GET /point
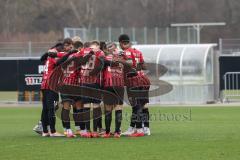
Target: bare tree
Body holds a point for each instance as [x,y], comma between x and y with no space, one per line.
[43,16]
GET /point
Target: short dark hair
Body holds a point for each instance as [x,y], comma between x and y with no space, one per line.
[95,42]
[59,47]
[77,44]
[103,45]
[111,44]
[67,41]
[123,38]
[86,44]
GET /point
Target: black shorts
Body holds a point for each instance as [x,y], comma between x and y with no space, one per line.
[47,93]
[115,97]
[138,96]
[91,93]
[70,98]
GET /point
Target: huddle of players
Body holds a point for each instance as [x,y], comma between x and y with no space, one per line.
[93,67]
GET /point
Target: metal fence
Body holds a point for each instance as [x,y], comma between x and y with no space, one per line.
[178,35]
[24,49]
[145,35]
[229,46]
[231,86]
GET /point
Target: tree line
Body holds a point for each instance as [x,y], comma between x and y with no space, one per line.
[24,19]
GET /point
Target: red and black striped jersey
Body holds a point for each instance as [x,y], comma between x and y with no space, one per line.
[113,76]
[48,69]
[140,79]
[93,62]
[72,71]
[134,55]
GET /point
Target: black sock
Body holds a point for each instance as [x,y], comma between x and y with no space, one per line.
[44,115]
[66,118]
[146,117]
[133,123]
[81,119]
[63,124]
[118,121]
[138,116]
[87,116]
[52,119]
[51,98]
[100,118]
[108,121]
[75,116]
[134,117]
[96,117]
[44,118]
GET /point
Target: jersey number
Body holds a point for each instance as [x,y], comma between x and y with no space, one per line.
[70,68]
[90,64]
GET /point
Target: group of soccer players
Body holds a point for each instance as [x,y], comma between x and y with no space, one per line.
[88,75]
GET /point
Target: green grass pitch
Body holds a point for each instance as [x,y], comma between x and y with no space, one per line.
[181,133]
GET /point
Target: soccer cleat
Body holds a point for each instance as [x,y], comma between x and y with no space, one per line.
[45,134]
[70,134]
[111,133]
[101,131]
[147,131]
[106,135]
[77,128]
[129,132]
[95,135]
[38,128]
[138,133]
[82,132]
[86,134]
[117,135]
[56,134]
